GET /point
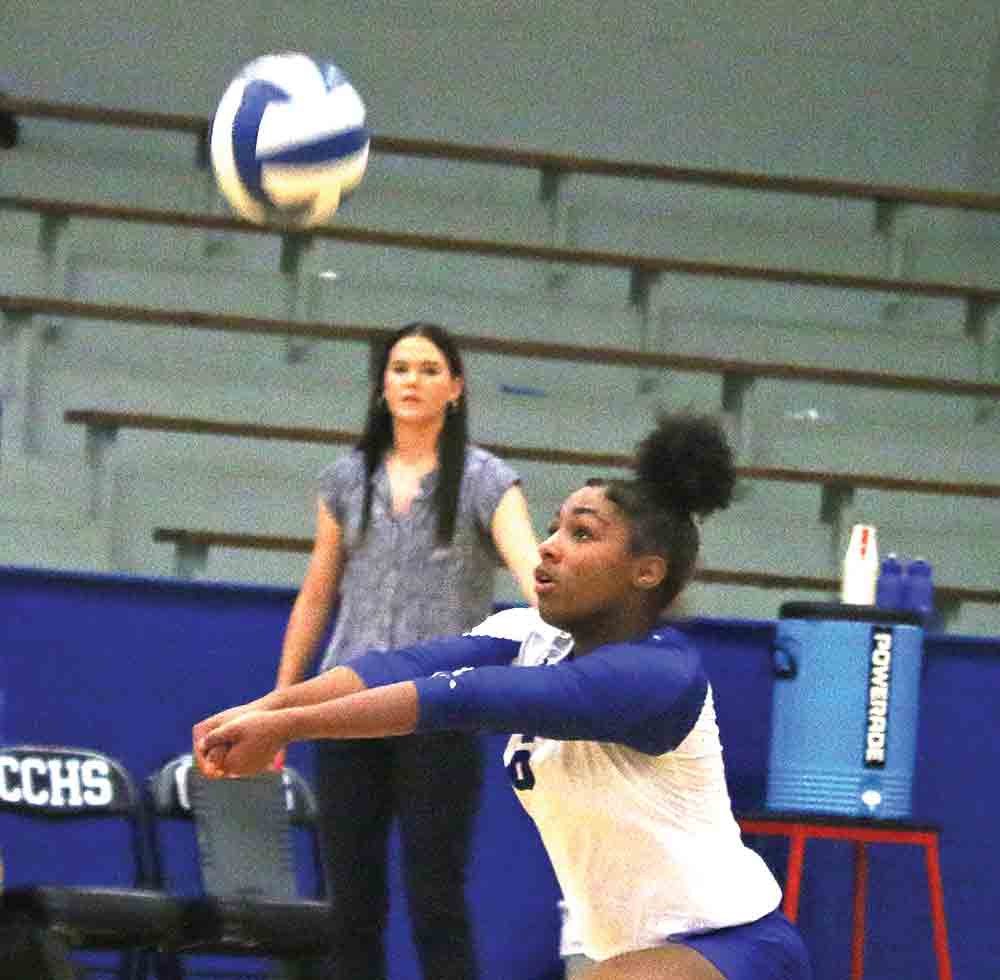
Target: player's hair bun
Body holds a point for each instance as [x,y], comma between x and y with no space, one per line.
[687,463]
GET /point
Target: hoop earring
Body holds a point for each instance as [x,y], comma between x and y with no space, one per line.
[452,407]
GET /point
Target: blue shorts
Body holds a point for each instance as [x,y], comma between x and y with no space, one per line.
[768,949]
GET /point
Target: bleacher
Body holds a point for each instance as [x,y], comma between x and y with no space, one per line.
[845,329]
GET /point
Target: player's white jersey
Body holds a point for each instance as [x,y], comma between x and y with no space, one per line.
[618,763]
[644,846]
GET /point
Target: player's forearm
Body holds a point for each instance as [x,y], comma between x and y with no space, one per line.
[376,713]
[328,686]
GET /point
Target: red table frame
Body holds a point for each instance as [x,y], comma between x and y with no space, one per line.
[799,828]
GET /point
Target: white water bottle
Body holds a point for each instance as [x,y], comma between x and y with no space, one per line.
[861,567]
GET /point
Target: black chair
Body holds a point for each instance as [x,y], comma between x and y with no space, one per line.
[246,898]
[58,799]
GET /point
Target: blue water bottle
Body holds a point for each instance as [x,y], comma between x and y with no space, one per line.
[889,589]
[918,589]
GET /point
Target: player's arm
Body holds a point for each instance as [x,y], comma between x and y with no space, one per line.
[246,744]
[643,696]
[376,669]
[305,710]
[375,697]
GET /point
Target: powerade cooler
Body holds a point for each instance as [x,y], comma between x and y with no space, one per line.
[845,710]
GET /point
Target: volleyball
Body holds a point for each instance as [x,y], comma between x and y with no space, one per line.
[288,140]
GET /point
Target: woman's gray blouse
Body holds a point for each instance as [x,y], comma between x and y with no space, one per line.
[398,586]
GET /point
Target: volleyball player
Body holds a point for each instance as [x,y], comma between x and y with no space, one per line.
[617,757]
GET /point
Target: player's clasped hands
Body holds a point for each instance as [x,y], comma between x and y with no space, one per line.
[242,741]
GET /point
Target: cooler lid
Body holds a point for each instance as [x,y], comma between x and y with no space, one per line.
[848,611]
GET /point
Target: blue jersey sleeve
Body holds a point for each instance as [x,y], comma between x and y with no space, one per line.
[378,668]
[645,695]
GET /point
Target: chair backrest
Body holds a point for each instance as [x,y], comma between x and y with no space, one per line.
[244,826]
[171,796]
[69,816]
[57,784]
[244,836]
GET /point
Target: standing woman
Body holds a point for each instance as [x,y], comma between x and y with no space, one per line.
[410,527]
[616,755]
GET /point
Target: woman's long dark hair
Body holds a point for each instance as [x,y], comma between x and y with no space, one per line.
[376,438]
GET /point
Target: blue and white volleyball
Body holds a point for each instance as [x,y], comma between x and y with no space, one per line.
[288,140]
